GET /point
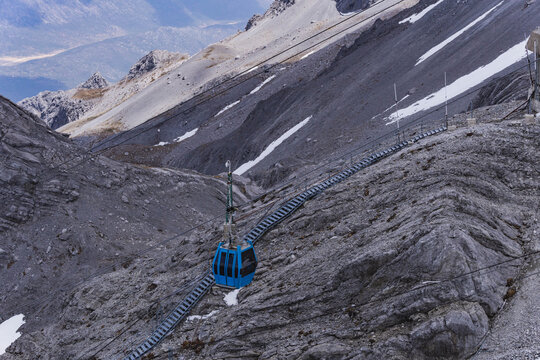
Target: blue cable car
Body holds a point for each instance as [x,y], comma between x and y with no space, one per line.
[234,268]
[235,261]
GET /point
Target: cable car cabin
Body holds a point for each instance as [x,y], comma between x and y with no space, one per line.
[234,265]
[235,260]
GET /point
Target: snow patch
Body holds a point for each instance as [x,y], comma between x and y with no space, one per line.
[456,35]
[186,135]
[202,317]
[231,298]
[248,165]
[349,13]
[414,18]
[308,54]
[227,108]
[391,107]
[464,83]
[252,69]
[262,84]
[8,331]
[180,138]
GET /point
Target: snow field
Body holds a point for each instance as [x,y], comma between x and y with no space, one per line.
[273,145]
[227,108]
[231,298]
[262,84]
[180,138]
[8,331]
[513,55]
[414,18]
[437,48]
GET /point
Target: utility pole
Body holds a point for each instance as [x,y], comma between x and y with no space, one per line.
[445,101]
[229,226]
[397,110]
[533,46]
[537,78]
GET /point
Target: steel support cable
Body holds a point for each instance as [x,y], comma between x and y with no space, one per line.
[167,240]
[175,317]
[362,147]
[174,116]
[271,67]
[128,326]
[104,271]
[189,230]
[388,135]
[432,283]
[417,288]
[365,146]
[306,199]
[480,345]
[91,155]
[276,221]
[484,270]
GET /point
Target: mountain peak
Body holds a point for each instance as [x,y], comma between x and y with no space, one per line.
[96,81]
[151,61]
[275,9]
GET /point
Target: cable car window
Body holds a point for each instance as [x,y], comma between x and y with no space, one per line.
[215,265]
[248,262]
[222,263]
[230,265]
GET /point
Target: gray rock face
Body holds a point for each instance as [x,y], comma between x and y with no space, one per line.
[346,6]
[56,108]
[96,81]
[275,9]
[62,223]
[253,21]
[371,269]
[508,88]
[151,61]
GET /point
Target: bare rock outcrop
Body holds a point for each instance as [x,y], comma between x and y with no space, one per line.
[346,6]
[277,7]
[56,108]
[96,81]
[508,88]
[153,60]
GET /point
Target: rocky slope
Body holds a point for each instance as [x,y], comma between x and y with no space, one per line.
[96,95]
[60,224]
[373,268]
[58,108]
[346,87]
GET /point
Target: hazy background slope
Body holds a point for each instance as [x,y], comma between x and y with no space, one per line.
[57,44]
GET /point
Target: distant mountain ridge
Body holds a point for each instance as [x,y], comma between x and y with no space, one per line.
[99,35]
[58,108]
